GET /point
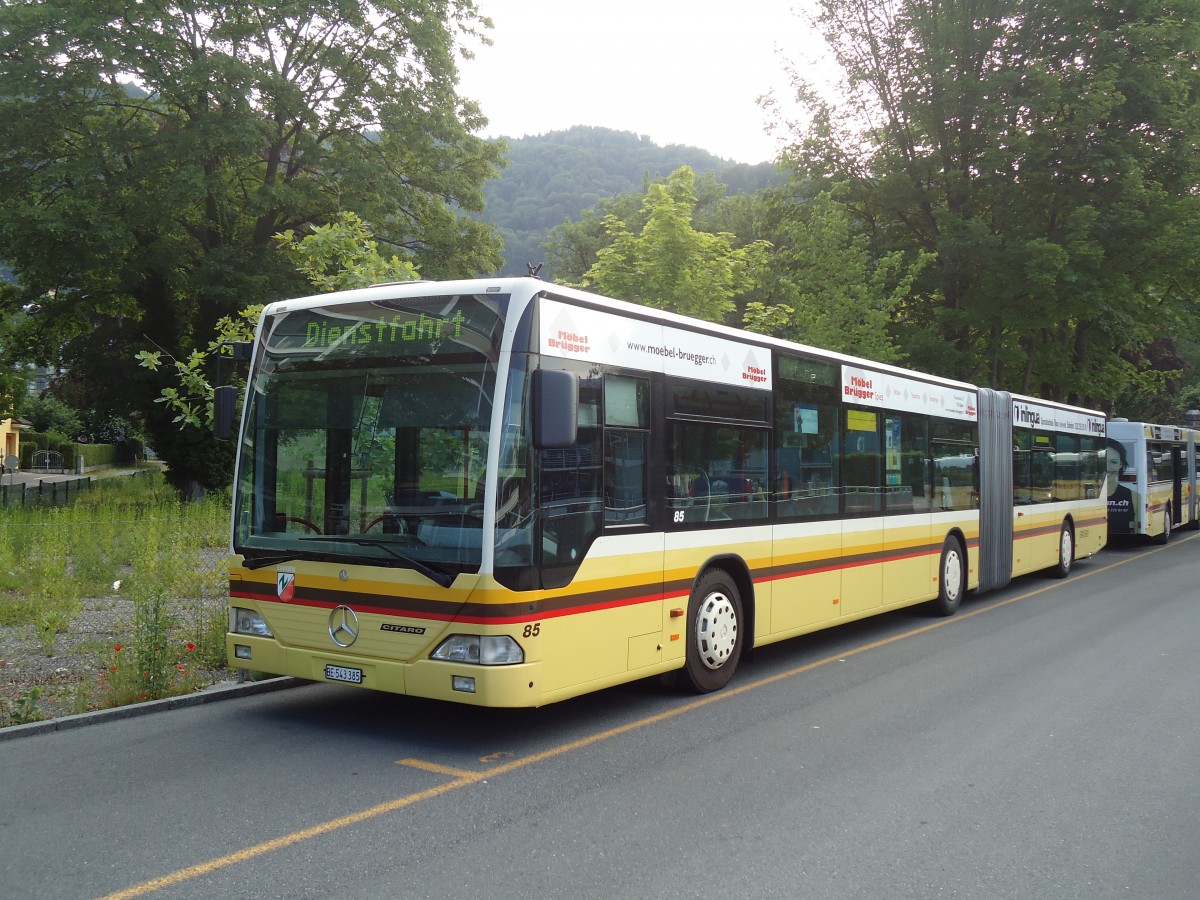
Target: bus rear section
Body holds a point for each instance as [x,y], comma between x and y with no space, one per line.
[1059,462]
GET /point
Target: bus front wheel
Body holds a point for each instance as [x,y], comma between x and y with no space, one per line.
[1066,552]
[952,579]
[714,637]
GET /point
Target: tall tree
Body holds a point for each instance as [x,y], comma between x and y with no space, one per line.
[826,286]
[1046,154]
[341,256]
[150,152]
[572,246]
[667,263]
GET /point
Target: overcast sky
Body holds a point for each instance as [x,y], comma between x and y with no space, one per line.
[677,71]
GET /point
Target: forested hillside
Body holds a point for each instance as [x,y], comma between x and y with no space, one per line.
[552,178]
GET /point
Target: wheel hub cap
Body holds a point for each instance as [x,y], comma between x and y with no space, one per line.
[716,630]
[952,576]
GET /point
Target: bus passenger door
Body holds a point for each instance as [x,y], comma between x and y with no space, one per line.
[908,522]
[811,591]
[862,527]
[862,568]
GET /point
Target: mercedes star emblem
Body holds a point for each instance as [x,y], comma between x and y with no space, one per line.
[343,626]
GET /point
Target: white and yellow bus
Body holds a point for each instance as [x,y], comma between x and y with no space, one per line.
[508,493]
[1151,479]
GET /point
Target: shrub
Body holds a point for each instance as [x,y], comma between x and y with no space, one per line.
[51,414]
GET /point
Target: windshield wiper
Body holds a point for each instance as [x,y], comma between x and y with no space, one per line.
[271,559]
[438,576]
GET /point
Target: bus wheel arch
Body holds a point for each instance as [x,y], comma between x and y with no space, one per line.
[1066,549]
[737,569]
[952,576]
[718,621]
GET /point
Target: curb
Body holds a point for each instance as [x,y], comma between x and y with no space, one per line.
[227,690]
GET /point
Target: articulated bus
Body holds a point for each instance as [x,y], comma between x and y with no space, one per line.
[508,493]
[1151,479]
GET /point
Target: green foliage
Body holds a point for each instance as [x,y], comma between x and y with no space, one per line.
[51,414]
[572,248]
[343,255]
[828,288]
[13,380]
[147,671]
[23,709]
[192,399]
[668,264]
[1043,157]
[15,609]
[50,624]
[199,463]
[111,429]
[142,182]
[561,176]
[50,581]
[339,256]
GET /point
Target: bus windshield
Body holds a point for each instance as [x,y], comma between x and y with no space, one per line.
[367,434]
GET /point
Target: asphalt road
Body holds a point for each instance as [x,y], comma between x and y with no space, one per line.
[1044,743]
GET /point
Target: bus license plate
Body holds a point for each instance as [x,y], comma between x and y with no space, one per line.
[341,673]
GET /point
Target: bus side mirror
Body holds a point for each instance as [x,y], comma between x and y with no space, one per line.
[224,402]
[555,409]
[225,396]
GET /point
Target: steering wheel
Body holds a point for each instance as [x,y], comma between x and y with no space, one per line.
[384,518]
[307,524]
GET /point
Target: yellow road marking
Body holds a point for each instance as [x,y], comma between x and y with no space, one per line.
[436,768]
[287,840]
[462,778]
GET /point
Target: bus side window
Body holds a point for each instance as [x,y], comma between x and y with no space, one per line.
[906,448]
[953,448]
[1022,468]
[626,449]
[1068,468]
[722,470]
[807,429]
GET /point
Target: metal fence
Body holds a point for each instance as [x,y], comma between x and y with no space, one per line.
[103,553]
[51,493]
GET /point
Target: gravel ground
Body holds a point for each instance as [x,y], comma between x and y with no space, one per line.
[68,680]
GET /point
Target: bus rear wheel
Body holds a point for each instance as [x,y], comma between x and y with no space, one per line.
[714,636]
[952,579]
[1066,552]
[1165,537]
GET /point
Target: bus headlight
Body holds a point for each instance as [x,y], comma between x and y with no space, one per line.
[247,621]
[483,650]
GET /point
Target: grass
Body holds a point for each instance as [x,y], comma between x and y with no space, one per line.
[130,555]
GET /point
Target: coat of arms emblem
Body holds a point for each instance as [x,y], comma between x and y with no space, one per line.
[285,585]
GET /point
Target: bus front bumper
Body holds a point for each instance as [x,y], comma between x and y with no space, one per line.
[511,685]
